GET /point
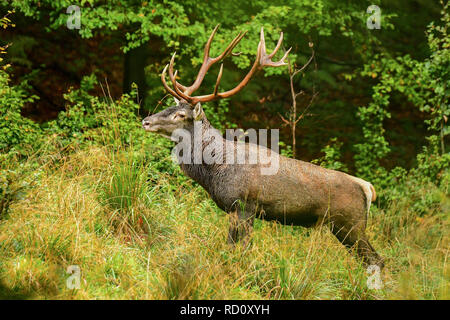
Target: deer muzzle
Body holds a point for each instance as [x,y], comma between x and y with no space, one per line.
[149,124]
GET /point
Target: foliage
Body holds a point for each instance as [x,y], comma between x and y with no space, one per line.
[176,251]
[5,22]
[91,188]
[425,84]
[332,156]
[16,179]
[125,192]
[14,128]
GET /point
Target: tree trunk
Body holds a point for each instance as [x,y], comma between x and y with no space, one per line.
[134,64]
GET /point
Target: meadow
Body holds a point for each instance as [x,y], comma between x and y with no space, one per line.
[84,187]
[139,233]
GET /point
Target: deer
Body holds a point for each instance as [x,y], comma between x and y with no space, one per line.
[299,193]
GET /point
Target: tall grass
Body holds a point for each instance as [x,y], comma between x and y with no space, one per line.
[138,233]
[125,192]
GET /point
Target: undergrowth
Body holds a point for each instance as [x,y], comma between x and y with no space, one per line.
[139,233]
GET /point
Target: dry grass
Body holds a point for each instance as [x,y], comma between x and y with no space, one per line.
[168,242]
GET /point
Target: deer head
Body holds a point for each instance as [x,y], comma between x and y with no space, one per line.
[187,107]
[179,116]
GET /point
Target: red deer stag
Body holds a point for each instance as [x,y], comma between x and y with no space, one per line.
[299,193]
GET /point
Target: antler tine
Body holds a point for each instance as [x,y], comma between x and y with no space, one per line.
[166,86]
[277,47]
[285,56]
[208,43]
[230,47]
[173,77]
[177,85]
[262,59]
[208,61]
[266,58]
[219,77]
[235,90]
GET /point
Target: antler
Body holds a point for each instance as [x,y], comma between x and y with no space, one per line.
[262,59]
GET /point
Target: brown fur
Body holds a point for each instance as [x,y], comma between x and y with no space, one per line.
[298,193]
[374,194]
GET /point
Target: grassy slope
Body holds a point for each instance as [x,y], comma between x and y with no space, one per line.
[166,240]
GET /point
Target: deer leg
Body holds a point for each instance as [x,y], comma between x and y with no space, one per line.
[241,227]
[355,238]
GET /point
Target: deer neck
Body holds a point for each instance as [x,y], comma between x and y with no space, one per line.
[202,172]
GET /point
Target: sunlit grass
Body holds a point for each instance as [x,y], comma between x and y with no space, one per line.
[140,235]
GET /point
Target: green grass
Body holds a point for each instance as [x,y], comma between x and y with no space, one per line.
[137,233]
[125,192]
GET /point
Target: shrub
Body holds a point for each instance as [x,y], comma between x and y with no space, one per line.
[16,132]
[126,187]
[90,119]
[331,159]
[423,83]
[16,178]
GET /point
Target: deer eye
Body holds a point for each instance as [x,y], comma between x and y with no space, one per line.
[180,115]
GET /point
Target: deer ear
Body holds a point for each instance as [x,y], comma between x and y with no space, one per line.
[198,112]
[177,102]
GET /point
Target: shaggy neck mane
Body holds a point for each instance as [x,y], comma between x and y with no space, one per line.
[202,172]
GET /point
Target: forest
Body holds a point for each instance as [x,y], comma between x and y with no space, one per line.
[86,192]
